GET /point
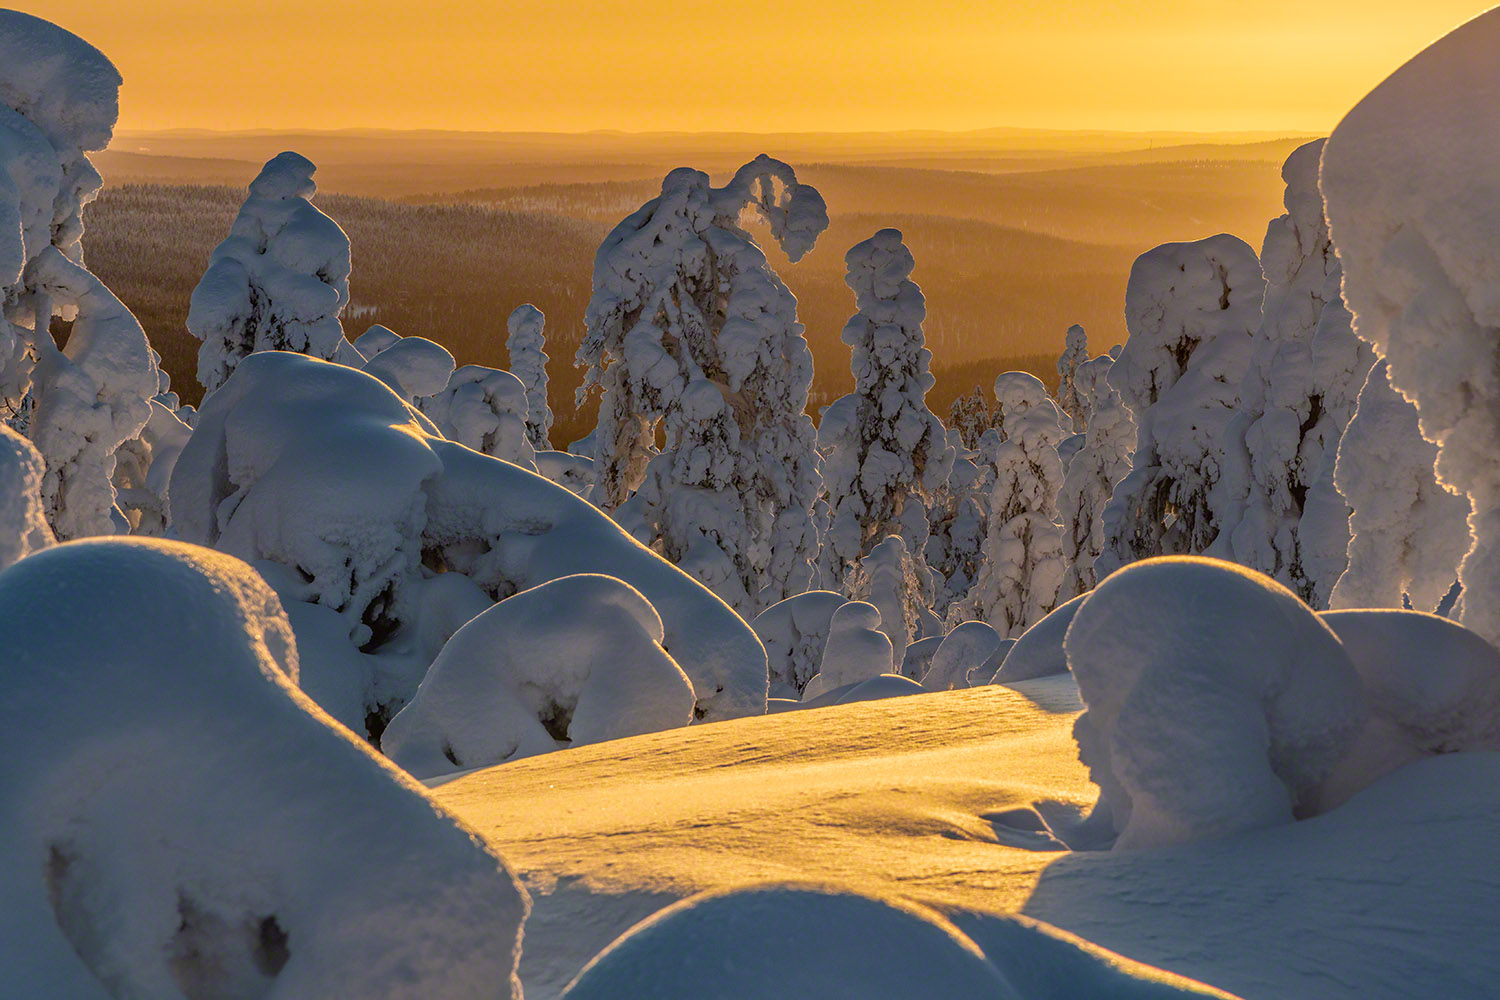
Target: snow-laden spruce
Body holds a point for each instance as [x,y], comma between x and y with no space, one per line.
[971,415]
[795,632]
[1409,533]
[279,280]
[359,511]
[1093,473]
[689,329]
[143,466]
[885,454]
[885,579]
[23,525]
[576,660]
[960,519]
[179,820]
[1283,424]
[1023,566]
[1411,177]
[528,362]
[1069,399]
[1191,309]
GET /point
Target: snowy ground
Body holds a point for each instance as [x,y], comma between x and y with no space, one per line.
[1391,893]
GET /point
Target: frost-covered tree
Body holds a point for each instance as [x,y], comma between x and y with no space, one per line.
[689,331]
[1023,563]
[278,282]
[1092,475]
[1075,353]
[528,362]
[1411,178]
[885,454]
[1409,533]
[1192,309]
[960,518]
[971,415]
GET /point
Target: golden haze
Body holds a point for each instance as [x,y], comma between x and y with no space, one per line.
[644,65]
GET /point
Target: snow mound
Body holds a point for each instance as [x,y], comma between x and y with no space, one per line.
[166,835]
[577,660]
[374,340]
[961,659]
[795,632]
[1436,681]
[24,528]
[856,649]
[574,473]
[784,941]
[324,471]
[1039,650]
[414,367]
[1411,177]
[1217,701]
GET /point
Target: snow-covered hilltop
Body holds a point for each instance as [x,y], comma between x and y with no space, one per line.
[346,683]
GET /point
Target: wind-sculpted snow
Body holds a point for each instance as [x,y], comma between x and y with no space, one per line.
[1409,534]
[795,632]
[322,470]
[691,332]
[576,660]
[528,362]
[1191,309]
[179,820]
[279,280]
[1217,701]
[143,467]
[23,525]
[1411,177]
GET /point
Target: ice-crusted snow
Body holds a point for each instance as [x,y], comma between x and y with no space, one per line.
[1191,309]
[1095,469]
[690,329]
[794,632]
[323,471]
[1217,701]
[485,409]
[1408,532]
[966,658]
[528,362]
[277,282]
[23,524]
[576,660]
[179,820]
[1411,176]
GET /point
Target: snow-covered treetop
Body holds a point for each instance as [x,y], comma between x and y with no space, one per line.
[60,83]
[528,362]
[795,212]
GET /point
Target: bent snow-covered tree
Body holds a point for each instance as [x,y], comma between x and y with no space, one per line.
[690,331]
[278,282]
[1023,552]
[528,362]
[885,454]
[1191,309]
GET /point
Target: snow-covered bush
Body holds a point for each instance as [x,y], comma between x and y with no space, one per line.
[1073,404]
[1413,195]
[528,362]
[885,454]
[1409,533]
[1191,309]
[1023,566]
[690,329]
[794,632]
[1216,700]
[279,280]
[576,660]
[352,495]
[1093,473]
[415,368]
[181,821]
[965,659]
[374,340]
[23,525]
[484,409]
[1039,650]
[856,650]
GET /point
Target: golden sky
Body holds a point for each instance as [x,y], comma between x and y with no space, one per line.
[768,65]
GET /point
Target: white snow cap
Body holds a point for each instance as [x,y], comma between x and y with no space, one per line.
[23,526]
[528,362]
[857,650]
[1411,177]
[279,280]
[1217,701]
[576,660]
[180,820]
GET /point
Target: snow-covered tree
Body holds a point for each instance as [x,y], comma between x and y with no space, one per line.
[960,518]
[484,409]
[1092,475]
[1075,353]
[1023,564]
[278,282]
[1192,309]
[23,526]
[971,415]
[1411,179]
[885,454]
[690,331]
[857,650]
[528,362]
[1409,532]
